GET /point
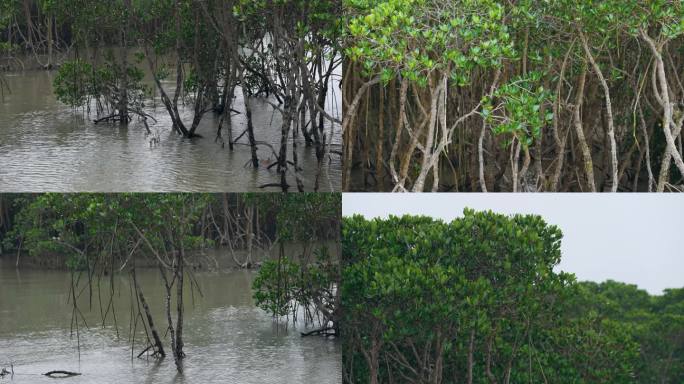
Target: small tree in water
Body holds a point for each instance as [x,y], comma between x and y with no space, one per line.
[284,287]
[310,281]
[79,84]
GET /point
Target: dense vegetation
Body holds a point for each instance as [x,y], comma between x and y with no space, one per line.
[98,236]
[483,95]
[285,52]
[477,300]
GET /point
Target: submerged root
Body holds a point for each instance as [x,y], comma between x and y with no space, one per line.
[326,331]
[61,374]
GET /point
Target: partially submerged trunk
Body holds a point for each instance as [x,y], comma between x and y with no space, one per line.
[178,346]
[156,340]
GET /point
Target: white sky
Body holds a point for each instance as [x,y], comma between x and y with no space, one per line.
[633,238]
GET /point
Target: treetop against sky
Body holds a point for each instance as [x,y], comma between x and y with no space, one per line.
[634,239]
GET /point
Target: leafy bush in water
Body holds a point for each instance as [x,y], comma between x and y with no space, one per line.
[275,286]
[78,81]
[73,83]
[282,286]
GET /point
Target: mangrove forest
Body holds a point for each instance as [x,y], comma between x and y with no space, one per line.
[256,79]
[156,285]
[514,96]
[479,300]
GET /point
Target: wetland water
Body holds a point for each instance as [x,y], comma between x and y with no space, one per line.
[227,339]
[47,146]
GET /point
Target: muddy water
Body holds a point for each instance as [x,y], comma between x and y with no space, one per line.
[227,339]
[48,146]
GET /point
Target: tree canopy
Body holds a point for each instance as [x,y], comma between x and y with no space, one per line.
[478,300]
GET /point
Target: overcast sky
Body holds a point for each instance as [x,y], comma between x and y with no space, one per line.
[634,238]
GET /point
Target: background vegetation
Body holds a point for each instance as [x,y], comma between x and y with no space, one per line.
[477,300]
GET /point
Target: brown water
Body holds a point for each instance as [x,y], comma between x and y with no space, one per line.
[48,146]
[227,339]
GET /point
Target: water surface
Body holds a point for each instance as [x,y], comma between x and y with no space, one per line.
[48,146]
[227,339]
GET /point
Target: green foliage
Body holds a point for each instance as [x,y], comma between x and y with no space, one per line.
[656,323]
[315,18]
[73,83]
[86,226]
[519,112]
[275,286]
[8,9]
[47,225]
[301,216]
[7,48]
[77,82]
[254,82]
[93,20]
[417,37]
[418,287]
[282,286]
[589,349]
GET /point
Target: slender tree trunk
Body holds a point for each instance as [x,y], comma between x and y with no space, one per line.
[123,87]
[398,130]
[250,235]
[671,152]
[50,39]
[471,351]
[29,23]
[158,347]
[167,308]
[379,146]
[180,261]
[609,113]
[425,167]
[480,140]
[579,131]
[647,145]
[560,138]
[250,127]
[284,133]
[348,131]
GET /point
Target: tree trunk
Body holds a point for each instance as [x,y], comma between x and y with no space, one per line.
[609,112]
[671,151]
[471,350]
[379,149]
[123,87]
[158,347]
[29,23]
[250,127]
[250,235]
[284,133]
[50,38]
[178,350]
[579,131]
